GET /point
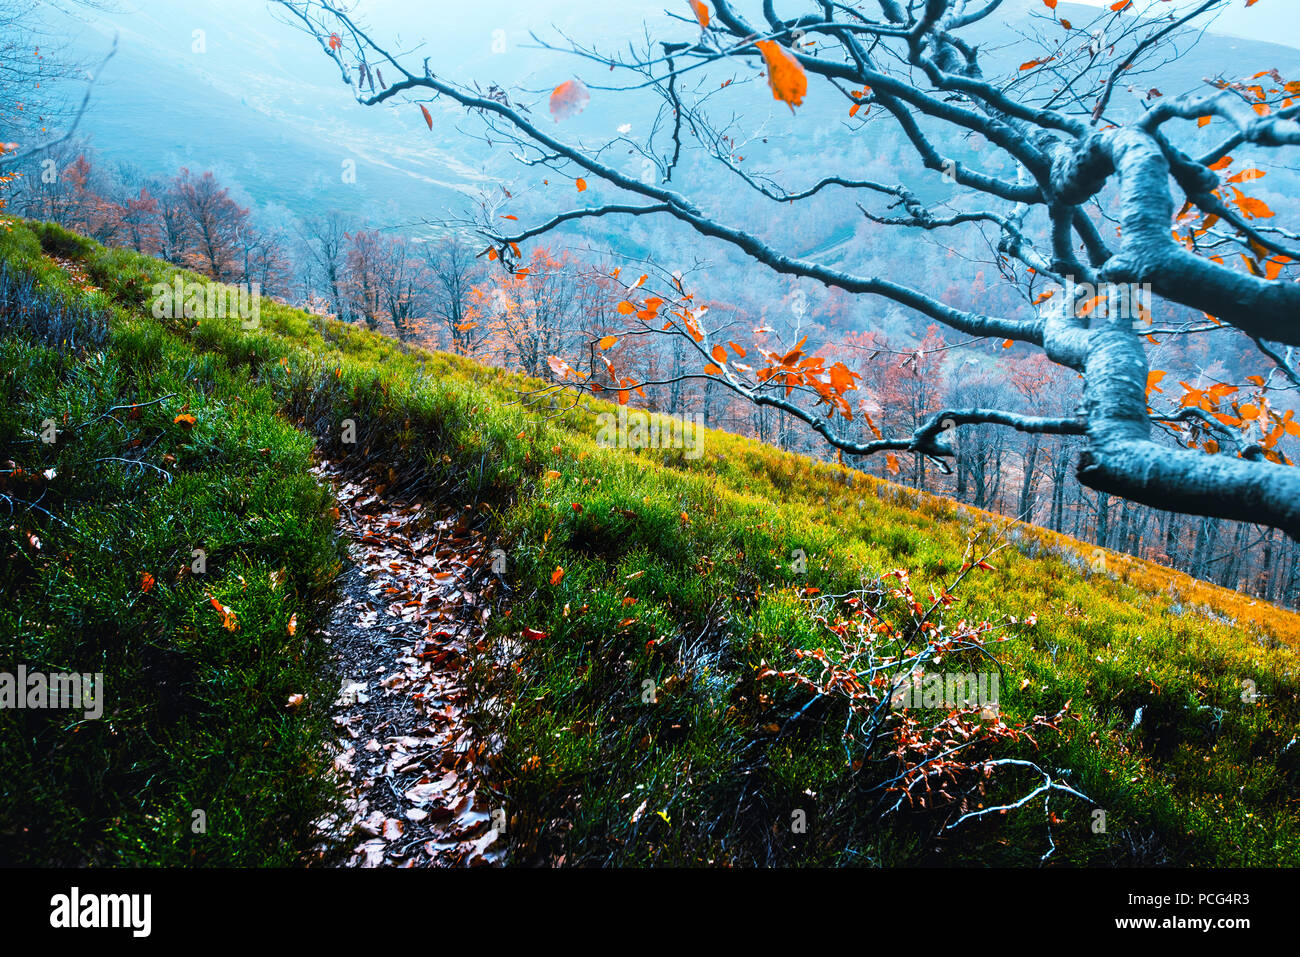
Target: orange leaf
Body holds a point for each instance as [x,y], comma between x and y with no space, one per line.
[581,184]
[701,13]
[785,75]
[428,119]
[1030,64]
[842,380]
[719,354]
[1254,208]
[607,341]
[569,99]
[146,582]
[891,462]
[562,369]
[228,619]
[557,575]
[292,627]
[1247,175]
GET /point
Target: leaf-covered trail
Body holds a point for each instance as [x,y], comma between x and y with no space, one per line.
[406,617]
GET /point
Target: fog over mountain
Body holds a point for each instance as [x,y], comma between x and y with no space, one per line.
[234,88]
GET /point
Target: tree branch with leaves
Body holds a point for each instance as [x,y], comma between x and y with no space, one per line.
[1069,167]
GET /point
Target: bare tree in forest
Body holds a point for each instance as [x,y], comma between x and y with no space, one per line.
[361,277]
[324,240]
[399,279]
[452,273]
[1087,187]
[214,223]
[382,277]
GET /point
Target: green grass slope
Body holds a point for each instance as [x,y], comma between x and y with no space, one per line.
[675,570]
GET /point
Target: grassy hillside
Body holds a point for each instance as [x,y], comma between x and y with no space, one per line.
[632,566]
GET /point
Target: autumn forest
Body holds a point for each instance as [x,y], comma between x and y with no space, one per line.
[712,433]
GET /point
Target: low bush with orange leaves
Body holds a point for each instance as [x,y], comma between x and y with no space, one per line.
[882,641]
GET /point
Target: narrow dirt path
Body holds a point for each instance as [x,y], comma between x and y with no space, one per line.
[401,630]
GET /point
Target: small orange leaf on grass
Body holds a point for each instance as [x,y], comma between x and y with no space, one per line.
[557,576]
[146,582]
[184,419]
[228,619]
[292,627]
